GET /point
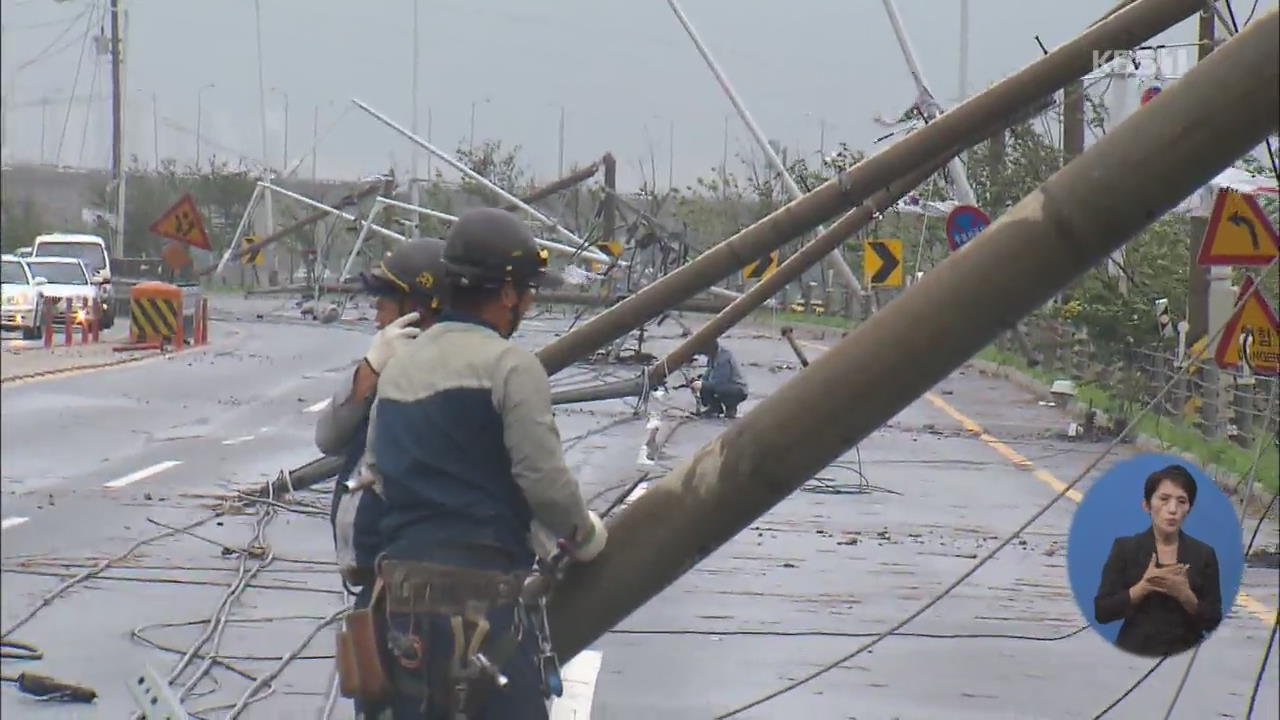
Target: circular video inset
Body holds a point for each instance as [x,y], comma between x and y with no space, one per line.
[1154,555]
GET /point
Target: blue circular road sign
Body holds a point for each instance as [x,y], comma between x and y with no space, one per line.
[963,224]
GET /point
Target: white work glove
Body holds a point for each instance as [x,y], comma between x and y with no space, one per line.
[390,340]
[587,551]
[697,386]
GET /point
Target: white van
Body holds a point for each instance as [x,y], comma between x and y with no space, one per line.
[90,250]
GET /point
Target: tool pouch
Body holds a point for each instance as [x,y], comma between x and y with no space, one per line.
[361,673]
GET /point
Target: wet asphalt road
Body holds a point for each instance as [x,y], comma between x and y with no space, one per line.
[840,558]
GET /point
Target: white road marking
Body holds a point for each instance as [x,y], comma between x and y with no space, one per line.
[143,473]
[238,440]
[319,406]
[579,678]
[12,522]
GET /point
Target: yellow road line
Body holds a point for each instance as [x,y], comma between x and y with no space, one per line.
[1252,605]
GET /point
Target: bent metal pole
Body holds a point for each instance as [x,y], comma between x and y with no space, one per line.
[835,259]
[1174,144]
[794,267]
[965,125]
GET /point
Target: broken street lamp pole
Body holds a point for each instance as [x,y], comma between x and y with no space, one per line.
[822,246]
[1181,139]
[969,123]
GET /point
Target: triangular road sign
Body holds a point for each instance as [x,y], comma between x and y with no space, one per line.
[182,223]
[1239,232]
[1252,335]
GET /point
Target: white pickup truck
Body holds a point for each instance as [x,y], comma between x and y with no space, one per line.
[90,250]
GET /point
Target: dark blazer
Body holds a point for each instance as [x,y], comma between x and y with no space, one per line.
[1158,625]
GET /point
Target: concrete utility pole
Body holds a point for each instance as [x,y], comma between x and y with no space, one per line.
[413,125]
[958,178]
[1197,276]
[963,126]
[117,126]
[792,269]
[1069,224]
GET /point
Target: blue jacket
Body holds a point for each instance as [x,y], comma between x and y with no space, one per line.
[723,374]
[465,445]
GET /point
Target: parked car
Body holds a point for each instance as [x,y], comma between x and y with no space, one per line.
[18,297]
[92,251]
[61,278]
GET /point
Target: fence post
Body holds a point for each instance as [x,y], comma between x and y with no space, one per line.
[1211,413]
[67,321]
[46,320]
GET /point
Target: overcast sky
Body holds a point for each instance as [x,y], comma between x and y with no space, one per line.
[623,70]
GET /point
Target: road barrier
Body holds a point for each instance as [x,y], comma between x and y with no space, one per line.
[89,323]
[155,314]
[200,324]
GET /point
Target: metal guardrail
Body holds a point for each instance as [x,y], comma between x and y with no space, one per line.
[1238,413]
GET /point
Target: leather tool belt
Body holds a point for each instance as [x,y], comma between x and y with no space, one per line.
[418,587]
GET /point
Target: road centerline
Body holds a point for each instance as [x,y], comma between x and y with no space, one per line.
[142,474]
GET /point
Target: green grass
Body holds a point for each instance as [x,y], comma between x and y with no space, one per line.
[795,318]
[1171,432]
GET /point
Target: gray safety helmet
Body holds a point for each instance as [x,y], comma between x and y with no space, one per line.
[487,247]
[415,269]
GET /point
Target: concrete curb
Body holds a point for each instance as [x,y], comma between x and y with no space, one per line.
[141,356]
[1227,481]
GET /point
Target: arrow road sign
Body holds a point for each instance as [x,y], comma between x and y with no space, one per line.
[1238,233]
[1241,221]
[882,263]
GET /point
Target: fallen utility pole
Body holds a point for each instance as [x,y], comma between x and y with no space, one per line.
[552,297]
[789,334]
[299,225]
[301,477]
[970,123]
[793,268]
[1068,225]
[564,183]
[484,182]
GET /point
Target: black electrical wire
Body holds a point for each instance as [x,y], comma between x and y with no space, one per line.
[1258,526]
[1132,687]
[1262,669]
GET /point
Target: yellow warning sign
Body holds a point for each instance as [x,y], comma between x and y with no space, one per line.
[1252,335]
[253,258]
[182,223]
[882,263]
[762,268]
[612,248]
[1239,232]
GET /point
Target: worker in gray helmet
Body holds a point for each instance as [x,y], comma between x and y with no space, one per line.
[408,285]
[471,461]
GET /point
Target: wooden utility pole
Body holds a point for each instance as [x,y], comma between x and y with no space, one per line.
[1197,276]
[117,127]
